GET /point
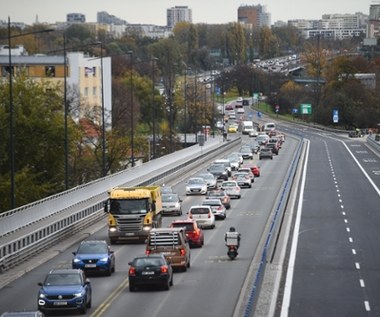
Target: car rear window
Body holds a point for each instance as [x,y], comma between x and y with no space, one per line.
[199,211]
[187,226]
[148,262]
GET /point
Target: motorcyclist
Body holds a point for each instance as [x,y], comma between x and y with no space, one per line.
[232,237]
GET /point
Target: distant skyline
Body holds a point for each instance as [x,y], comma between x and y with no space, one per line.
[154,11]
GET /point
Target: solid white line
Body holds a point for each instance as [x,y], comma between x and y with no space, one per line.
[292,258]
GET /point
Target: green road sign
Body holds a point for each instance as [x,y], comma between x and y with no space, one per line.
[305,108]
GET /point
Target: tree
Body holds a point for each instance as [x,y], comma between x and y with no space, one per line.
[39,140]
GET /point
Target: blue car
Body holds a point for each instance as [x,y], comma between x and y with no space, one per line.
[65,289]
[94,256]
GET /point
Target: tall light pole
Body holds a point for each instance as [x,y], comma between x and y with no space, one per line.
[104,171]
[132,112]
[11,112]
[66,112]
[153,60]
[185,113]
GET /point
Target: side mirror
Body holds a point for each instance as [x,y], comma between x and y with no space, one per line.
[87,281]
[74,253]
[105,204]
[40,283]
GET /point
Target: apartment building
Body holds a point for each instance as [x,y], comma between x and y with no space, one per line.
[254,16]
[84,74]
[178,14]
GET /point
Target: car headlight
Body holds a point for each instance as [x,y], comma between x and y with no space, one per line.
[41,295]
[177,205]
[187,188]
[112,229]
[79,294]
[76,261]
[105,259]
[147,228]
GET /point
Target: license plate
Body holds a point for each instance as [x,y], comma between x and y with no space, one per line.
[90,265]
[166,253]
[147,273]
[60,303]
[129,234]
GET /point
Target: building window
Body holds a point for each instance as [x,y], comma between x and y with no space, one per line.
[50,71]
[94,90]
[5,70]
[89,71]
[86,92]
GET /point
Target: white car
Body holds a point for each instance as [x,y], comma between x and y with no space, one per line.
[231,188]
[240,111]
[203,216]
[210,180]
[196,186]
[217,207]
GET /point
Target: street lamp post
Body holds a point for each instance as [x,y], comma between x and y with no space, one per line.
[153,60]
[132,112]
[11,111]
[104,171]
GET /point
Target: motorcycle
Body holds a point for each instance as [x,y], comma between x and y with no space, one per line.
[232,251]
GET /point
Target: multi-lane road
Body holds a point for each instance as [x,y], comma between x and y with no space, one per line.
[213,284]
[335,255]
[334,246]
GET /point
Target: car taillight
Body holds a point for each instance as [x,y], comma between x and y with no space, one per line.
[195,233]
[183,252]
[237,188]
[220,208]
[209,215]
[164,269]
[190,216]
[132,271]
[147,252]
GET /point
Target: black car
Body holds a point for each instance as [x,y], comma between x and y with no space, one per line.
[150,270]
[219,171]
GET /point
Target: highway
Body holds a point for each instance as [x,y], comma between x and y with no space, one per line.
[211,287]
[336,253]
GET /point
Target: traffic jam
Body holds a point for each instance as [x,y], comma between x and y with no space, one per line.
[136,214]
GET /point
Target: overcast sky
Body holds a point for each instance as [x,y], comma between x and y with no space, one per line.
[154,11]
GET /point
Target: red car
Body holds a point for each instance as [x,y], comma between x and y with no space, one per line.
[193,233]
[254,169]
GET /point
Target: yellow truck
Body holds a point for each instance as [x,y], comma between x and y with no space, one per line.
[133,212]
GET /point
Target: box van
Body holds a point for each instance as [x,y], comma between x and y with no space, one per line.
[246,127]
[268,127]
[172,243]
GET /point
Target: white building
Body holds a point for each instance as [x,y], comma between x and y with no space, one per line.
[178,14]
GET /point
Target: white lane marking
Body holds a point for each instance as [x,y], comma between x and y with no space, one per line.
[366,305]
[362,284]
[348,229]
[351,240]
[362,169]
[293,251]
[357,265]
[353,251]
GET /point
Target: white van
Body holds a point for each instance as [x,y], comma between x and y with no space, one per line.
[246,127]
[269,126]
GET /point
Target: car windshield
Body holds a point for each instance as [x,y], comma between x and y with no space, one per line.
[195,181]
[207,176]
[92,247]
[216,168]
[167,198]
[63,279]
[241,175]
[128,206]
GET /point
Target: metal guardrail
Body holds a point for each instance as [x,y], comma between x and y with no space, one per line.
[273,231]
[371,140]
[63,224]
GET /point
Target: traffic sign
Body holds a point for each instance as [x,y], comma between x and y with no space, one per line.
[305,108]
[335,115]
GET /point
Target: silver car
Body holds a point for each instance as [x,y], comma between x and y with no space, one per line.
[231,188]
[196,186]
[210,180]
[217,208]
[171,204]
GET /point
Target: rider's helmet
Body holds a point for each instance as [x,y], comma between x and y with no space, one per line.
[232,229]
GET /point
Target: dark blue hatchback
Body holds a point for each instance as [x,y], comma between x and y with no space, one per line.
[94,256]
[65,289]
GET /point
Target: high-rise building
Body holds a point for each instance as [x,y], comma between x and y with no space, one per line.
[374,21]
[75,18]
[178,14]
[254,16]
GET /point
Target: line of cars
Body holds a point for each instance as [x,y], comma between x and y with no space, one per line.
[166,248]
